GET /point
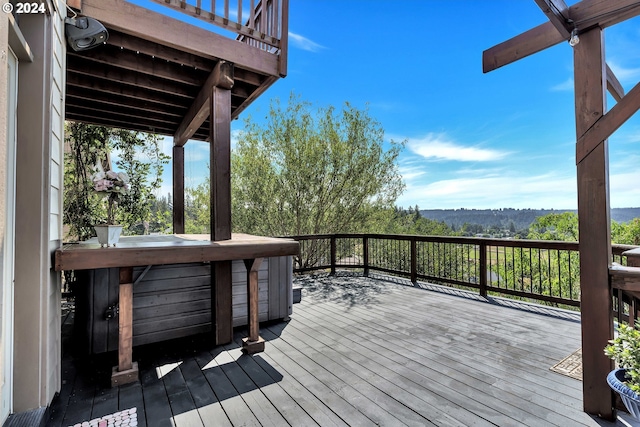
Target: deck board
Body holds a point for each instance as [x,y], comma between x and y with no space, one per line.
[356,352]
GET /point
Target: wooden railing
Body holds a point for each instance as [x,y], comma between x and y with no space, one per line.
[260,23]
[546,271]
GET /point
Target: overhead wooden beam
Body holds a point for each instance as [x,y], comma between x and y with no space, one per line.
[521,46]
[84,81]
[585,14]
[136,44]
[613,85]
[594,226]
[141,22]
[558,13]
[128,60]
[608,123]
[222,77]
[120,75]
[108,101]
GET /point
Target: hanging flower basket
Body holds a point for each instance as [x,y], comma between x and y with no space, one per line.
[616,380]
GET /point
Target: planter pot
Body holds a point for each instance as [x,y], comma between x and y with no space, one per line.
[631,400]
[108,234]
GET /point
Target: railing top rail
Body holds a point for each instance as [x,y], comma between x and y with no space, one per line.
[521,243]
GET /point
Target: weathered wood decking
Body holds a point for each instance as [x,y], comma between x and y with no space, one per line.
[356,352]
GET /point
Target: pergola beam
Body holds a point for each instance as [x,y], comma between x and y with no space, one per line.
[558,13]
[585,14]
[608,123]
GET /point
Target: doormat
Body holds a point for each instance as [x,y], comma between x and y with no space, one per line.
[570,366]
[126,418]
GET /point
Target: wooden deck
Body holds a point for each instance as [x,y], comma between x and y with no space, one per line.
[356,352]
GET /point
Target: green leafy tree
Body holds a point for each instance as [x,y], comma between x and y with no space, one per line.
[626,233]
[196,209]
[312,172]
[140,157]
[563,227]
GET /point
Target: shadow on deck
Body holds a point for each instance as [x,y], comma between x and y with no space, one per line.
[358,351]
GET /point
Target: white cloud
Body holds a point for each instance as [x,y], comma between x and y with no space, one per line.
[438,147]
[565,86]
[304,43]
[624,74]
[494,191]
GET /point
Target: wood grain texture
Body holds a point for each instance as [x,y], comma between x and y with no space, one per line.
[594,225]
[125,330]
[144,23]
[585,14]
[394,354]
[169,249]
[602,129]
[558,13]
[220,163]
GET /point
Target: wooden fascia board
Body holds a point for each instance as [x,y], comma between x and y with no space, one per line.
[614,86]
[149,25]
[221,76]
[586,14]
[608,123]
[557,12]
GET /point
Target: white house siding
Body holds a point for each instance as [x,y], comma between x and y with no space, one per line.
[38,211]
[5,347]
[56,172]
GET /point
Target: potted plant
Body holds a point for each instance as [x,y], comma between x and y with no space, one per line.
[624,349]
[113,186]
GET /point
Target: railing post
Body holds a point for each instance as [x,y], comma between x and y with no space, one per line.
[483,269]
[333,254]
[365,254]
[414,261]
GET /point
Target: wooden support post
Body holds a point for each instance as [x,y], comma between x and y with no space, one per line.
[594,225]
[220,198]
[178,189]
[127,370]
[254,343]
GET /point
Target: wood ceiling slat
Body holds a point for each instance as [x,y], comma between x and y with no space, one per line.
[143,85]
[111,102]
[126,59]
[105,86]
[120,76]
[91,105]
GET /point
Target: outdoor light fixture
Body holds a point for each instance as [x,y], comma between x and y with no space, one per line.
[85,33]
[574,40]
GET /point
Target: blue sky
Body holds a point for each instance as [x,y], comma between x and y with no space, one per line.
[474,140]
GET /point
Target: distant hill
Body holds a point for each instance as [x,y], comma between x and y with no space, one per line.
[502,218]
